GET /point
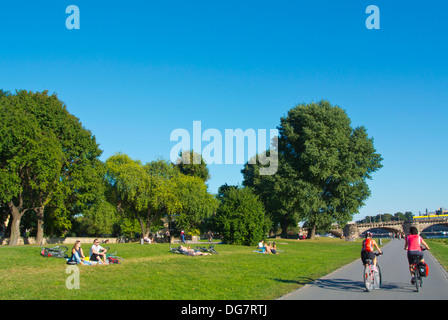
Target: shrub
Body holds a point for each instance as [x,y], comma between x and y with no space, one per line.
[241,217]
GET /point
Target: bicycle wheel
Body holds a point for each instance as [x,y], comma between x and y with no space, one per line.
[62,249]
[417,279]
[379,276]
[118,258]
[368,279]
[421,280]
[212,250]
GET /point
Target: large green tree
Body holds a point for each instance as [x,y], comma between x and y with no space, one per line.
[157,189]
[44,152]
[136,193]
[324,165]
[327,162]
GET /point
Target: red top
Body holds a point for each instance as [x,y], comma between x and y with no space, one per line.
[367,245]
[413,241]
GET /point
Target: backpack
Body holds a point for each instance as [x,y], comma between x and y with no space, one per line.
[367,245]
[46,252]
[423,269]
[113,260]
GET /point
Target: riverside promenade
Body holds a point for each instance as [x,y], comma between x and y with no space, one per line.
[347,283]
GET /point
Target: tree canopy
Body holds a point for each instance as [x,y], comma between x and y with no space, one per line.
[50,172]
[44,152]
[323,167]
[156,190]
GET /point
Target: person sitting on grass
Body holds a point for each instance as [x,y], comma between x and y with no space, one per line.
[274,248]
[98,253]
[261,246]
[78,254]
[268,248]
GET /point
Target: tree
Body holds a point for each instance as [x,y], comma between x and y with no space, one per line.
[326,163]
[43,152]
[196,203]
[399,216]
[157,189]
[241,218]
[100,218]
[276,192]
[192,164]
[136,193]
[409,216]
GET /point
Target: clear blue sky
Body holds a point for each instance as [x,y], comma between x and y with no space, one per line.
[137,70]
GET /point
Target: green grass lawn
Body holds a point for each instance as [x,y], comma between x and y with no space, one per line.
[439,249]
[153,272]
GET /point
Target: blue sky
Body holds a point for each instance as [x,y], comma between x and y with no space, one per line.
[137,70]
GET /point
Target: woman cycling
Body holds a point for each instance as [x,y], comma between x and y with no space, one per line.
[413,245]
[368,245]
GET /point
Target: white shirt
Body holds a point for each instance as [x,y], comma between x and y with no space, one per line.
[96,248]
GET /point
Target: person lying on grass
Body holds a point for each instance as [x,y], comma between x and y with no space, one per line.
[191,252]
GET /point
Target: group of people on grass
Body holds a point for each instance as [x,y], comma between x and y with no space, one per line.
[97,254]
[267,247]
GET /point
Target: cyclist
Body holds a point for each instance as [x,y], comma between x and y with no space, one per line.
[413,245]
[367,252]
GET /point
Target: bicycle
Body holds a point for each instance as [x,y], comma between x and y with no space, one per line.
[177,250]
[210,249]
[419,269]
[56,252]
[114,256]
[372,277]
[121,239]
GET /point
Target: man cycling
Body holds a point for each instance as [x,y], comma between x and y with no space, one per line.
[413,245]
[367,252]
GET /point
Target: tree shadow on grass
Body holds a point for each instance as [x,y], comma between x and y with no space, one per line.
[353,286]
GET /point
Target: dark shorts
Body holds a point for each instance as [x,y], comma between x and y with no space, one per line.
[367,255]
[414,256]
[94,257]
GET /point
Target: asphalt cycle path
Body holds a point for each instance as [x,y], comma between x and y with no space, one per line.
[347,282]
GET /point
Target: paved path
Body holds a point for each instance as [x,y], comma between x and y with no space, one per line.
[346,283]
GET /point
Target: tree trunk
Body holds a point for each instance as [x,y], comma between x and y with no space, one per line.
[311,231]
[16,214]
[284,226]
[142,225]
[40,224]
[146,228]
